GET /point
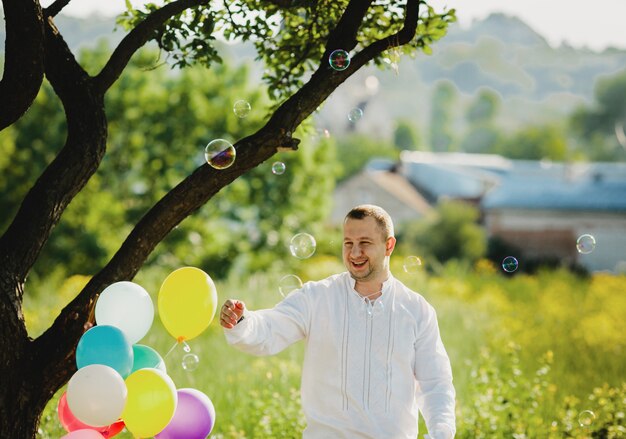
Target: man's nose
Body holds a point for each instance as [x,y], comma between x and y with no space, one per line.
[355,251]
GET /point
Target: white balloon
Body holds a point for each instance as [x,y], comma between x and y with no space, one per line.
[96,395]
[127,306]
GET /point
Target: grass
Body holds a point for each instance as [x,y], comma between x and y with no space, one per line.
[529,353]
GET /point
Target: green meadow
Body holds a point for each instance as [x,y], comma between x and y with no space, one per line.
[534,356]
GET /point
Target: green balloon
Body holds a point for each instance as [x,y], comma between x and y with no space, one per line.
[145,356]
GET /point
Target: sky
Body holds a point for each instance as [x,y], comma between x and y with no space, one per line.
[596,25]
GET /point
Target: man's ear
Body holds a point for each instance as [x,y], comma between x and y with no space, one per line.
[390,244]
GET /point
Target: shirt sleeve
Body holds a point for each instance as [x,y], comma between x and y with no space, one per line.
[269,331]
[435,391]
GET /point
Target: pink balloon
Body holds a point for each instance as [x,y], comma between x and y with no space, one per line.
[194,417]
[71,423]
[83,434]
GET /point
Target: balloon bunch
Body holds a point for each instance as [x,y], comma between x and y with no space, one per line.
[120,383]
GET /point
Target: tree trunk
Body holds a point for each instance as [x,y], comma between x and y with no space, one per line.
[23,391]
[23,64]
[31,371]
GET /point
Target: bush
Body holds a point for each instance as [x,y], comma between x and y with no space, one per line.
[510,402]
[451,233]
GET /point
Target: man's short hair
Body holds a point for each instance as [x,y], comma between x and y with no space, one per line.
[378,213]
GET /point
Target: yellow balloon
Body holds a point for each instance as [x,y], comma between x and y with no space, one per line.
[187,302]
[151,402]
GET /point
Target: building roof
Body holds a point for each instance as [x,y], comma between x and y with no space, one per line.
[557,194]
[384,188]
[401,189]
[525,184]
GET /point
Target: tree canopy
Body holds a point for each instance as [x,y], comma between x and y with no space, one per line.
[294,40]
[601,126]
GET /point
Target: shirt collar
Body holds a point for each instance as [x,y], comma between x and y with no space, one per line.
[387,284]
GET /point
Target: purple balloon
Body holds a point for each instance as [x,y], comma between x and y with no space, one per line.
[194,417]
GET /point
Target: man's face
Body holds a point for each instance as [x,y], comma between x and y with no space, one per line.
[365,249]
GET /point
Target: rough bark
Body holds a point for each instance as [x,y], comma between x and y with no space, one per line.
[31,371]
[23,59]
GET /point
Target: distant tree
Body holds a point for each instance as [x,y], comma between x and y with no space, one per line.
[441,117]
[536,143]
[484,107]
[299,77]
[144,161]
[483,136]
[602,125]
[355,151]
[405,136]
[482,140]
[452,232]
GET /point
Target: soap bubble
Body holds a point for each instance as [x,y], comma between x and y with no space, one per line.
[509,264]
[585,244]
[242,108]
[278,168]
[220,154]
[412,264]
[289,283]
[586,418]
[302,246]
[355,115]
[190,362]
[339,59]
[186,347]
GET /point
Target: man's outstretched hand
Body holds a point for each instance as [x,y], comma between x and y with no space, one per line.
[231,312]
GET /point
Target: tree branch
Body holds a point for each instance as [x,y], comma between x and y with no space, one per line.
[136,38]
[23,64]
[343,36]
[56,7]
[400,38]
[195,191]
[68,173]
[176,205]
[325,80]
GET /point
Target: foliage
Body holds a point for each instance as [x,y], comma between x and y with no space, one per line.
[289,40]
[405,136]
[451,232]
[442,110]
[581,316]
[600,123]
[510,401]
[153,165]
[26,148]
[350,163]
[529,353]
[484,107]
[159,125]
[536,143]
[483,136]
[505,392]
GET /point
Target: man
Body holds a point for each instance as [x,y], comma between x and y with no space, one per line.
[373,354]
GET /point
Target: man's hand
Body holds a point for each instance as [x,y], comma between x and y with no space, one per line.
[231,312]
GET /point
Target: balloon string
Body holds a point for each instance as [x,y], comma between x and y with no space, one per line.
[171,349]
